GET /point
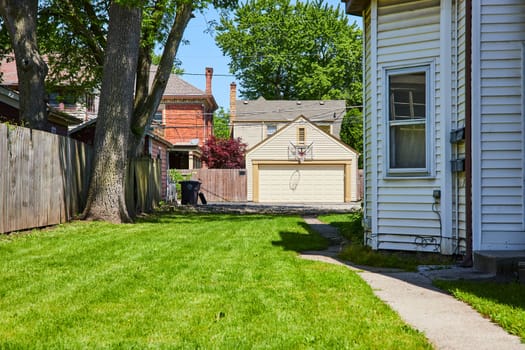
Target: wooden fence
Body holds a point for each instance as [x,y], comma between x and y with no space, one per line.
[144,183]
[44,179]
[221,185]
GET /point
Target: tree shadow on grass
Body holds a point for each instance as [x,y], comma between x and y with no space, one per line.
[505,293]
[197,218]
[301,241]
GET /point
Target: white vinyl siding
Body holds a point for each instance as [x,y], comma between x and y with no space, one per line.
[499,84]
[407,36]
[368,122]
[253,133]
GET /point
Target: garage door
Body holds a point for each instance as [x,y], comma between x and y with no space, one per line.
[301,183]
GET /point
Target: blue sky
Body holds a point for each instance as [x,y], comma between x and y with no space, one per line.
[201,52]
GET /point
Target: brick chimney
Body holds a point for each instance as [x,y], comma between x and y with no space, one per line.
[233,103]
[209,75]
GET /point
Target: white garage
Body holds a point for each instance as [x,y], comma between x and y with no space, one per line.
[327,173]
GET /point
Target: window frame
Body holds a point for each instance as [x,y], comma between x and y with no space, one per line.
[273,126]
[301,135]
[155,120]
[427,170]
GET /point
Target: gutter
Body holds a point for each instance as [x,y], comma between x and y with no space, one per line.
[467,259]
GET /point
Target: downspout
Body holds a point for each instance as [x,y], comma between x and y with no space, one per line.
[467,260]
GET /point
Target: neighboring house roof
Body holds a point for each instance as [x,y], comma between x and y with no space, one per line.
[83,126]
[278,133]
[287,110]
[11,98]
[177,88]
[91,124]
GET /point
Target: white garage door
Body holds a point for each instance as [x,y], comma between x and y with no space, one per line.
[301,183]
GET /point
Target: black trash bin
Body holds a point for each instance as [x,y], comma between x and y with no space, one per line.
[189,192]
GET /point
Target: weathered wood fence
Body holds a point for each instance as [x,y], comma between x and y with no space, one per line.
[144,184]
[221,185]
[44,179]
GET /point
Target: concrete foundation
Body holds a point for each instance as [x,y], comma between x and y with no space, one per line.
[500,263]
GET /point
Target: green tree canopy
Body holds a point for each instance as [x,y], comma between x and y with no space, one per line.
[352,131]
[221,124]
[284,50]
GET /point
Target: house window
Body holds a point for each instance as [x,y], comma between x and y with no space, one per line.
[90,103]
[408,120]
[325,128]
[157,118]
[301,135]
[271,129]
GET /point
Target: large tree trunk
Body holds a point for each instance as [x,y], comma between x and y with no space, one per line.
[20,18]
[146,104]
[106,194]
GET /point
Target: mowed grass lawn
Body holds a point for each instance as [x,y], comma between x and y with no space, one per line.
[186,282]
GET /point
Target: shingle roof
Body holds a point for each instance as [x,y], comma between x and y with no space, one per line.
[279,110]
[176,86]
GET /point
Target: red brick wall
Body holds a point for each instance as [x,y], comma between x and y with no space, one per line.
[184,122]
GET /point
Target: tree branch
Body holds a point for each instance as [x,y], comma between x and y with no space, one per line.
[89,30]
[143,113]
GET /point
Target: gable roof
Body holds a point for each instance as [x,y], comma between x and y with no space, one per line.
[288,110]
[289,125]
[176,86]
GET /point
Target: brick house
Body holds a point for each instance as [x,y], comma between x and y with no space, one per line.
[183,122]
[185,119]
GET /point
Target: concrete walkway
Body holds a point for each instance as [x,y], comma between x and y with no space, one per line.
[446,322]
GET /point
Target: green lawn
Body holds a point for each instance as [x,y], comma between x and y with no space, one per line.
[187,282]
[503,303]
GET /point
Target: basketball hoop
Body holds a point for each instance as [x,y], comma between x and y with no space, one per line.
[300,152]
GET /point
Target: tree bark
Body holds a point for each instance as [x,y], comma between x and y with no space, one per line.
[146,104]
[106,194]
[20,18]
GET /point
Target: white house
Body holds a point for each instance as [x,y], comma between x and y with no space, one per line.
[301,163]
[444,124]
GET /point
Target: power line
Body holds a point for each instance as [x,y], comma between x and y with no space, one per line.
[203,74]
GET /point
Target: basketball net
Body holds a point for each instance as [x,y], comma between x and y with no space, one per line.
[300,152]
